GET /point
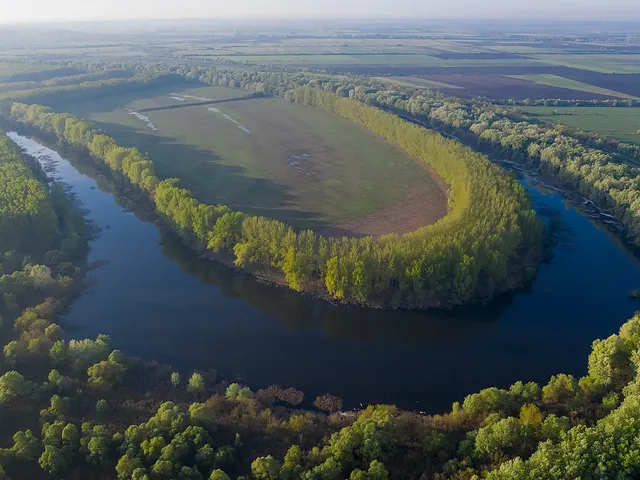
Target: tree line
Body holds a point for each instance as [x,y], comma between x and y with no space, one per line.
[489,242]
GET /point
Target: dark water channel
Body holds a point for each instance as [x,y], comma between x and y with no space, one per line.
[158,300]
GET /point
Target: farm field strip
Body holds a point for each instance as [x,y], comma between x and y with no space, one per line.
[562,82]
[417,82]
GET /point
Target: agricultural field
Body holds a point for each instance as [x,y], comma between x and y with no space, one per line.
[11,70]
[518,87]
[616,122]
[269,157]
[605,63]
[561,82]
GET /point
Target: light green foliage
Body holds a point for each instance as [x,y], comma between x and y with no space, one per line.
[235,391]
[52,460]
[554,428]
[26,445]
[218,474]
[560,389]
[489,400]
[126,466]
[15,352]
[13,386]
[202,413]
[266,468]
[196,384]
[504,436]
[108,373]
[175,379]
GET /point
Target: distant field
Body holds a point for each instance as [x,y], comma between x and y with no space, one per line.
[416,82]
[267,156]
[557,81]
[616,122]
[381,59]
[8,70]
[500,87]
[606,63]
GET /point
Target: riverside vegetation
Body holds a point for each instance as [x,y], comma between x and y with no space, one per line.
[488,243]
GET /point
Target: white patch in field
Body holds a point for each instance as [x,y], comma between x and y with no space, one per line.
[175,97]
[201,99]
[299,162]
[229,118]
[144,118]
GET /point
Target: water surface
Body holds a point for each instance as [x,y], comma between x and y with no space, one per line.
[156,299]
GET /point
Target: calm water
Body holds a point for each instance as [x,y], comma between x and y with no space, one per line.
[156,299]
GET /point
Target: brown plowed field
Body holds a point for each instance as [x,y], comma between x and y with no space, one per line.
[418,210]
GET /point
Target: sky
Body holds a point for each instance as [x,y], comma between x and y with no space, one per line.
[14,11]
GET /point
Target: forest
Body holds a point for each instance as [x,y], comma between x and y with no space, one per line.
[481,248]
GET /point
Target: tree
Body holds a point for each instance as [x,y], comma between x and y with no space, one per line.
[218,474]
[175,379]
[235,391]
[266,468]
[12,386]
[126,466]
[196,384]
[52,460]
[560,389]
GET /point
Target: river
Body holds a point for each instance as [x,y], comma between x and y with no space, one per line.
[156,299]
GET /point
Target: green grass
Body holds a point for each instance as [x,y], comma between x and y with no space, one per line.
[605,63]
[621,123]
[556,81]
[349,173]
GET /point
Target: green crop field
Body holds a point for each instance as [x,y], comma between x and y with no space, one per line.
[264,156]
[616,122]
[556,81]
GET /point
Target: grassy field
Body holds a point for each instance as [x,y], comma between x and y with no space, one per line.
[621,123]
[556,81]
[264,155]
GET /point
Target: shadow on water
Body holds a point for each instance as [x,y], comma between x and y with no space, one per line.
[157,299]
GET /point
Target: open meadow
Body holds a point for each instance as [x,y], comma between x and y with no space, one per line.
[269,157]
[617,122]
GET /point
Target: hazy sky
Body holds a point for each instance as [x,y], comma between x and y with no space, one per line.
[57,10]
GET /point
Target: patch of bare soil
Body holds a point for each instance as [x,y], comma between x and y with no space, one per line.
[419,209]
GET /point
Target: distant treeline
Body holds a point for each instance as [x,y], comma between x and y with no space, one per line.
[489,242]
